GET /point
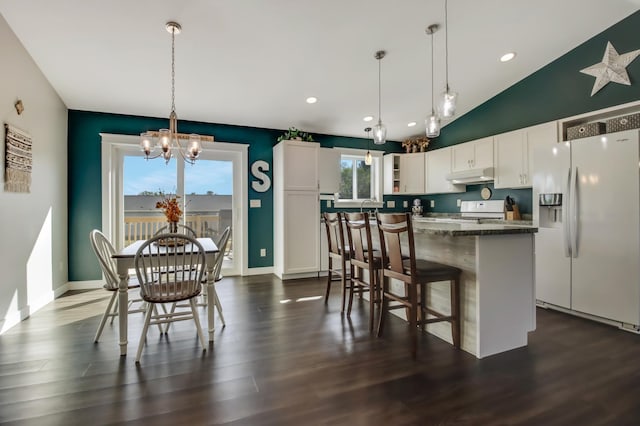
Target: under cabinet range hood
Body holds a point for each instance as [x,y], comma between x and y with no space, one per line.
[471,175]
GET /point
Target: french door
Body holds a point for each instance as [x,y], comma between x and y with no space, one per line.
[210,193]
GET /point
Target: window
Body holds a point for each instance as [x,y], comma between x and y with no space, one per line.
[358,181]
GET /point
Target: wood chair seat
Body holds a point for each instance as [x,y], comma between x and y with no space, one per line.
[427,270]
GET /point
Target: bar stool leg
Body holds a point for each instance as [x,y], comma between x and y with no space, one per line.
[455,311]
[413,319]
[384,306]
[329,272]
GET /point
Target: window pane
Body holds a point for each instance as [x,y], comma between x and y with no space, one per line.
[208,188]
[346,179]
[142,183]
[363,180]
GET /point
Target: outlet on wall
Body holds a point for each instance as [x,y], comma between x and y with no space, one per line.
[432,203]
[458,202]
[328,203]
[405,204]
[263,252]
[391,204]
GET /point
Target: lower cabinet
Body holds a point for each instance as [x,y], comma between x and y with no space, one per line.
[296,234]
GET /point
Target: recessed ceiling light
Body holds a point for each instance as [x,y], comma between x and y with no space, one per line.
[507,57]
[411,124]
[312,100]
[368,118]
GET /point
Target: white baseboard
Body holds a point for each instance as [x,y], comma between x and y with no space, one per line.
[85,285]
[258,271]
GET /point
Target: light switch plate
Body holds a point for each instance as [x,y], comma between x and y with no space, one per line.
[328,203]
[458,202]
[405,204]
[433,203]
[255,204]
[391,204]
[263,252]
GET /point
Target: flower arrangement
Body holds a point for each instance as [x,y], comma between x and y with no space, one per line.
[415,144]
[170,206]
[295,134]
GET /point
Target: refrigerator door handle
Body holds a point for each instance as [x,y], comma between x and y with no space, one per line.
[574,214]
[566,234]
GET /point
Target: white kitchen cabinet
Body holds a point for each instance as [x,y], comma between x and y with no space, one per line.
[476,154]
[300,165]
[329,170]
[514,154]
[296,211]
[437,167]
[404,173]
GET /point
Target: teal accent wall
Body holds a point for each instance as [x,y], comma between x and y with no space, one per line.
[84,199]
[557,90]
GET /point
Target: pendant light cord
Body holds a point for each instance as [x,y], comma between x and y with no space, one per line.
[446,45]
[379,91]
[432,98]
[173,70]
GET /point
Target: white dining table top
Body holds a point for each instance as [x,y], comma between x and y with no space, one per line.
[130,251]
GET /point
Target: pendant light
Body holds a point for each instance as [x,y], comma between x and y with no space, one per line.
[449,98]
[368,159]
[433,121]
[379,130]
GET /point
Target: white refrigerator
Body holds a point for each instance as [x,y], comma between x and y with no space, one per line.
[588,244]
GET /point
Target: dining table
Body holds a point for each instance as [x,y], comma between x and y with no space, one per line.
[124,259]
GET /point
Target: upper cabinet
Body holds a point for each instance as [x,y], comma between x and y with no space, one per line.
[329,170]
[437,167]
[300,165]
[476,154]
[513,154]
[404,173]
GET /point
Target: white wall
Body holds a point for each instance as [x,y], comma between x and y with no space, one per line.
[33,227]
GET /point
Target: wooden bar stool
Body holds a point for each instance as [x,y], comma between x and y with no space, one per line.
[416,274]
[338,252]
[363,258]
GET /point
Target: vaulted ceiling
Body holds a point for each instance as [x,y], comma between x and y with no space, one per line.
[253,63]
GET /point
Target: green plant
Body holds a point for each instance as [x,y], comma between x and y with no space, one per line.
[293,134]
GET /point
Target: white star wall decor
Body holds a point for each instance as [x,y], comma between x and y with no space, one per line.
[612,68]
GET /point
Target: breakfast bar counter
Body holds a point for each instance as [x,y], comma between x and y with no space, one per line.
[497,285]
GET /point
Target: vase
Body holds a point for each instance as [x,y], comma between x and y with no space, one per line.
[173,227]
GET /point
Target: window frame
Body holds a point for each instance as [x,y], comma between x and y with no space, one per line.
[376,179]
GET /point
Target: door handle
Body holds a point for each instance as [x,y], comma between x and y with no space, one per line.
[574,214]
[566,232]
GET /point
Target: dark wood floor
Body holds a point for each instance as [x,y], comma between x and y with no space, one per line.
[287,360]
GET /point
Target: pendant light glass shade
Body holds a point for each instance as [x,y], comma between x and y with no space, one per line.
[379,133]
[433,126]
[448,103]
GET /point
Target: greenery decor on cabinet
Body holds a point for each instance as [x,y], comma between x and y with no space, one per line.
[294,134]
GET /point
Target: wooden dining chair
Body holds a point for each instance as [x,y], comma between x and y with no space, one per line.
[338,252]
[396,239]
[103,249]
[365,262]
[170,268]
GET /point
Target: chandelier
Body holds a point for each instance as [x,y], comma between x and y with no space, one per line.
[168,140]
[433,121]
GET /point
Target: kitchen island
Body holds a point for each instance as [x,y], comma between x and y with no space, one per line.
[497,289]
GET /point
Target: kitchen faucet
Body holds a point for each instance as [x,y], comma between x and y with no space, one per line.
[368,200]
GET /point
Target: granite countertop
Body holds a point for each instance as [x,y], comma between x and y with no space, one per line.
[472,229]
